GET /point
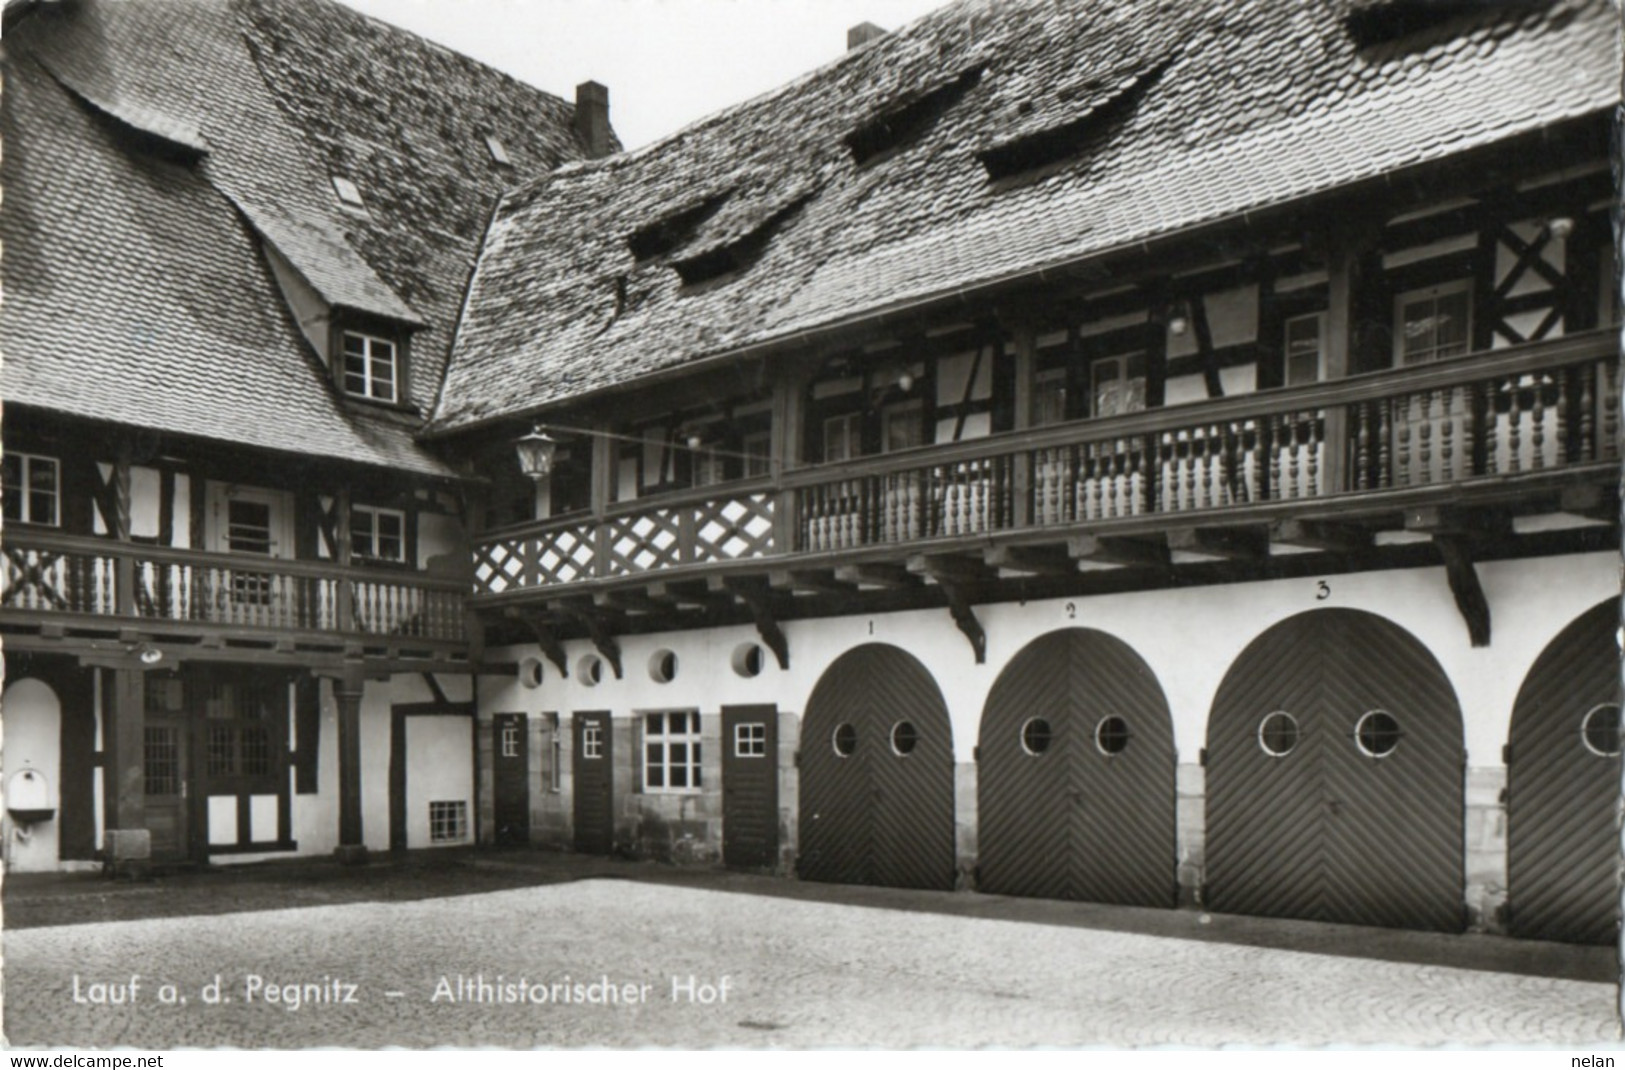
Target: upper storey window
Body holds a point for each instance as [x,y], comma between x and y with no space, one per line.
[33,489]
[1117,385]
[377,534]
[1432,323]
[371,367]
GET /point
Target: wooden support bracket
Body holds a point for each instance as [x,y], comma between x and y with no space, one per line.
[1591,501]
[952,574]
[681,595]
[597,623]
[758,597]
[1234,543]
[876,576]
[552,649]
[1471,601]
[813,581]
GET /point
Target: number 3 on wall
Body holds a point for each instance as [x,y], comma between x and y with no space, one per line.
[1323,591]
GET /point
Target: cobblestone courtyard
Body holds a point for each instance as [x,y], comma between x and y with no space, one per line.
[797,974]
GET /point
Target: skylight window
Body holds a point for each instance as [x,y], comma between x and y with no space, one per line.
[670,231]
[908,118]
[499,153]
[349,193]
[1377,22]
[1110,106]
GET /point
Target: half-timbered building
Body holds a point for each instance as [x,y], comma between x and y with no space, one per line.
[1139,453]
[236,239]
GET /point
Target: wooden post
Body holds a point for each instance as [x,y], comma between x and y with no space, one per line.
[125,583]
[344,589]
[1343,283]
[125,769]
[347,691]
[603,483]
[1021,473]
[789,425]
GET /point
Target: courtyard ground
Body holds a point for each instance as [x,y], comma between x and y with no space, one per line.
[474,950]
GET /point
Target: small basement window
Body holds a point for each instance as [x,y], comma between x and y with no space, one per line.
[371,367]
[448,821]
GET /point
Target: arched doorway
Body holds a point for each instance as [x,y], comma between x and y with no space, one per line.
[1075,776]
[1334,778]
[877,774]
[1563,777]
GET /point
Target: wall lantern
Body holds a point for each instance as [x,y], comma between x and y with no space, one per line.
[536,451]
[1560,227]
[148,654]
[1180,321]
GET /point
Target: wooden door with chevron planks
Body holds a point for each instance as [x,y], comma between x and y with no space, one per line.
[877,774]
[1334,778]
[1075,776]
[1563,782]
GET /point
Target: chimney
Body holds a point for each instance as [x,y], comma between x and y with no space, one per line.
[862,34]
[592,118]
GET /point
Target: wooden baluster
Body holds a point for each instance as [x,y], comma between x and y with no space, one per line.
[1362,446]
[1385,459]
[1514,429]
[1403,446]
[1315,434]
[1447,452]
[1294,454]
[1588,423]
[1610,411]
[1229,467]
[1424,434]
[1276,445]
[1537,424]
[1565,421]
[1136,475]
[1100,474]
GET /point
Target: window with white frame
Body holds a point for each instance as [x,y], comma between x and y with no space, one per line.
[1305,348]
[377,534]
[750,740]
[1117,385]
[671,751]
[33,489]
[510,741]
[448,821]
[592,740]
[1432,323]
[371,367]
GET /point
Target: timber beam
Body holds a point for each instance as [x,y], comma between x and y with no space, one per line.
[1031,560]
[1327,535]
[1591,501]
[811,581]
[1118,550]
[876,576]
[627,599]
[953,574]
[758,598]
[682,595]
[1244,544]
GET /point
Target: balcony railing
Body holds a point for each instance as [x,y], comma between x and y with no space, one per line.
[55,573]
[1540,407]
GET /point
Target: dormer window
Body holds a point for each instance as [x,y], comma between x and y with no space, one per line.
[33,489]
[372,367]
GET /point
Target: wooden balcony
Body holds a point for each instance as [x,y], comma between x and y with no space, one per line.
[1513,430]
[63,582]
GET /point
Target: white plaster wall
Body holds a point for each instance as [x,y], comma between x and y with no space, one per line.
[1189,637]
[33,740]
[222,820]
[439,768]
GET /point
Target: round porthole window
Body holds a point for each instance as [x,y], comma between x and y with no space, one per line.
[846,740]
[1600,730]
[1278,734]
[662,666]
[1377,734]
[1111,735]
[747,660]
[903,737]
[590,670]
[530,673]
[1035,736]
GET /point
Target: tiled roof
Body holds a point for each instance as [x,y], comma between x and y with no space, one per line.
[1180,113]
[151,145]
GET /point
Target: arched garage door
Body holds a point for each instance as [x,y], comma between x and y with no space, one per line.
[1075,776]
[877,774]
[1334,778]
[1563,780]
